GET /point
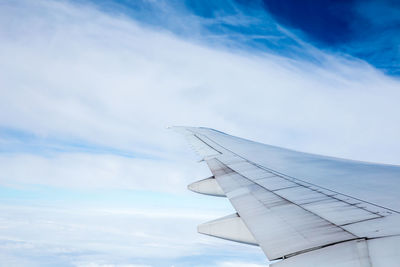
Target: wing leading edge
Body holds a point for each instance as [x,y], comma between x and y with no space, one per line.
[293,218]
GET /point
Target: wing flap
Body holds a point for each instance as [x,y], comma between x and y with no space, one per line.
[379,252]
[279,226]
[348,254]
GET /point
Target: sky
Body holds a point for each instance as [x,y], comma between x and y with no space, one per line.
[89,173]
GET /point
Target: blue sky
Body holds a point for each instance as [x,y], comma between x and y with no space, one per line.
[90,176]
[367,30]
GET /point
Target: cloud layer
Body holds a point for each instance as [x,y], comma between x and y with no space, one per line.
[76,73]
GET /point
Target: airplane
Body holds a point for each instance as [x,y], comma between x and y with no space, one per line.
[303,210]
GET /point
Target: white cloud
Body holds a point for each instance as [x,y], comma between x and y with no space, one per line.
[39,235]
[83,170]
[93,264]
[74,72]
[239,264]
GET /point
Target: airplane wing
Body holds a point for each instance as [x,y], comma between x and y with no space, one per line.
[303,210]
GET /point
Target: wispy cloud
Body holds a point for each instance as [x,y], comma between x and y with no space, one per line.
[239,264]
[88,170]
[93,264]
[86,75]
[48,236]
[381,46]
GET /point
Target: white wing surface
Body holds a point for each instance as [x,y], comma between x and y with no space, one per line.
[301,209]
